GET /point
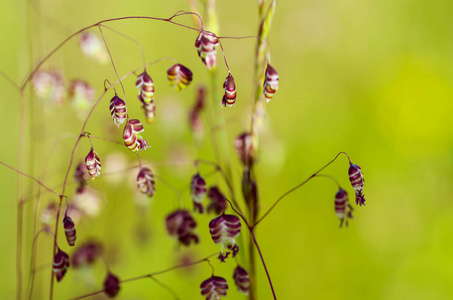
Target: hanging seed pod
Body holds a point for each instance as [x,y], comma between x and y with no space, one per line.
[60,264]
[243,145]
[182,225]
[218,203]
[357,182]
[206,43]
[179,76]
[214,288]
[132,138]
[145,182]
[93,164]
[93,47]
[111,285]
[230,92]
[69,229]
[242,280]
[198,191]
[149,108]
[224,229]
[270,83]
[118,110]
[86,254]
[146,87]
[343,209]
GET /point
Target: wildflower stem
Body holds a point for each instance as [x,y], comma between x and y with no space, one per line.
[166,287]
[295,188]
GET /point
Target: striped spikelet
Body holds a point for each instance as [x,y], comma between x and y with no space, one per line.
[230,92]
[179,76]
[206,44]
[270,83]
[60,264]
[214,288]
[132,138]
[93,164]
[145,182]
[145,87]
[343,209]
[357,182]
[118,110]
[198,192]
[242,280]
[224,229]
[69,230]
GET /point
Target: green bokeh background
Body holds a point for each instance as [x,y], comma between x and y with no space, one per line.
[372,78]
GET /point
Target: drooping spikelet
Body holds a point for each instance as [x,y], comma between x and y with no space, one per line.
[132,138]
[60,264]
[206,44]
[182,225]
[243,145]
[242,280]
[198,191]
[357,182]
[145,182]
[230,91]
[343,209]
[217,200]
[69,230]
[93,164]
[179,76]
[118,110]
[224,229]
[270,83]
[150,110]
[214,288]
[111,285]
[146,87]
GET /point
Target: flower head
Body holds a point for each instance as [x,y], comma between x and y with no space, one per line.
[111,285]
[218,203]
[145,182]
[243,145]
[179,76]
[132,138]
[60,264]
[145,87]
[198,191]
[214,288]
[230,91]
[242,280]
[182,225]
[270,83]
[206,43]
[150,110]
[93,164]
[86,254]
[357,181]
[224,229]
[118,110]
[69,229]
[342,207]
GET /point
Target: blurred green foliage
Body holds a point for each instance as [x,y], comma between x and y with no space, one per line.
[372,78]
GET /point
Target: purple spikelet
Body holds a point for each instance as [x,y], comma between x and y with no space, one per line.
[111,285]
[242,280]
[224,229]
[217,200]
[60,264]
[179,76]
[145,182]
[214,288]
[270,83]
[69,230]
[182,225]
[198,191]
[357,182]
[230,91]
[343,209]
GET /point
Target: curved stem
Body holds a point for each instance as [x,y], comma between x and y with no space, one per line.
[296,187]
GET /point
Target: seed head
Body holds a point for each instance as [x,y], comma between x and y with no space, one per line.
[49,85]
[118,110]
[342,207]
[60,264]
[198,191]
[179,76]
[230,92]
[69,229]
[86,254]
[218,203]
[206,43]
[243,145]
[93,164]
[145,87]
[111,285]
[145,182]
[242,280]
[132,138]
[93,47]
[150,110]
[214,288]
[181,224]
[270,83]
[224,229]
[357,182]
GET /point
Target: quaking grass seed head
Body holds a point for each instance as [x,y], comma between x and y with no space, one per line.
[214,288]
[229,87]
[179,76]
[357,182]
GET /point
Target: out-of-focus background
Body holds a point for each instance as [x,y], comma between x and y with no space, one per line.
[372,78]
